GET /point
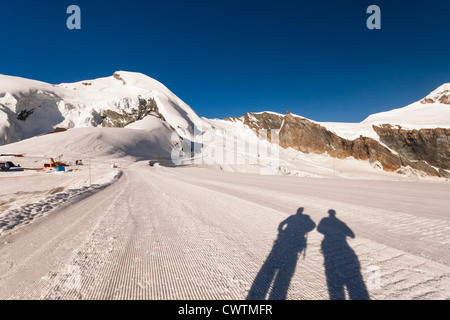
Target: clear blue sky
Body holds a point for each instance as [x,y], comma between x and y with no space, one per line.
[226,57]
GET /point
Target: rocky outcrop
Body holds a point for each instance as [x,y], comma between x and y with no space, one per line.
[309,137]
[430,145]
[110,118]
[117,76]
[441,97]
[24,114]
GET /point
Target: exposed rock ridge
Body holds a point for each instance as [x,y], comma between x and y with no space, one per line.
[413,148]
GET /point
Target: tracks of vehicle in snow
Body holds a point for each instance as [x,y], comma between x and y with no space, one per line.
[192,233]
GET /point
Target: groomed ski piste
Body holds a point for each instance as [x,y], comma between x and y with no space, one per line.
[116,227]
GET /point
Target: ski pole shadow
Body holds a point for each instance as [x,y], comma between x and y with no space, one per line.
[342,267]
[280,264]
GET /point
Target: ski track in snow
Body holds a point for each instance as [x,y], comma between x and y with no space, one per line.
[193,233]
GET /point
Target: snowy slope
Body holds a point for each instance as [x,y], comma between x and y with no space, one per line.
[433,111]
[429,112]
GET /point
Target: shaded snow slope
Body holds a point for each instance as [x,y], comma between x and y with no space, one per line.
[98,143]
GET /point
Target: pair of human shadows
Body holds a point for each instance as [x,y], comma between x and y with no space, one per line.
[342,267]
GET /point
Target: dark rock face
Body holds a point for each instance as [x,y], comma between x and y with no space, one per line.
[309,137]
[430,145]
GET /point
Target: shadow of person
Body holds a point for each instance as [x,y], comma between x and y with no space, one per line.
[281,262]
[342,267]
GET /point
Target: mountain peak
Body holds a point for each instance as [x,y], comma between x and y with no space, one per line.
[440,95]
[430,112]
[29,108]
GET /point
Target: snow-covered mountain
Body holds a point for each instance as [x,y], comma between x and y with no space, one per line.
[155,123]
[29,108]
[433,111]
